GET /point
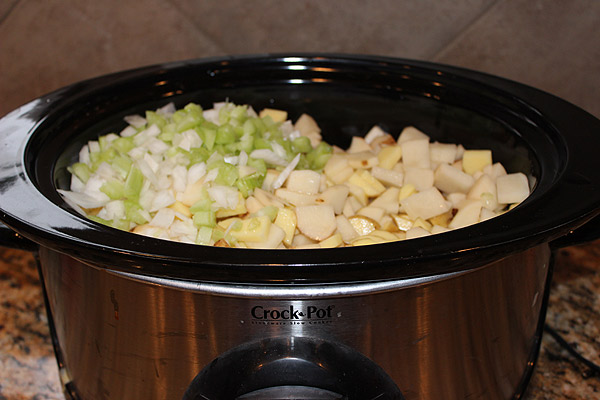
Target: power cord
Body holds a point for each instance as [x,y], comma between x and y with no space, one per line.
[567,346]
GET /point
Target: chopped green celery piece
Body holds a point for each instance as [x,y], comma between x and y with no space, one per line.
[249,128]
[239,112]
[133,184]
[258,164]
[261,143]
[260,126]
[81,171]
[225,135]
[246,143]
[269,211]
[121,224]
[208,134]
[123,144]
[98,158]
[205,218]
[303,162]
[133,212]
[204,204]
[224,114]
[301,144]
[318,157]
[198,155]
[287,145]
[154,118]
[122,165]
[217,234]
[103,142]
[194,110]
[204,235]
[168,132]
[102,221]
[248,183]
[227,175]
[113,188]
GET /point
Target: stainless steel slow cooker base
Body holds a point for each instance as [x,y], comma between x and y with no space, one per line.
[473,334]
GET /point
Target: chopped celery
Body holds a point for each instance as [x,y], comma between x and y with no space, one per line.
[154,118]
[123,144]
[135,213]
[225,135]
[113,189]
[133,184]
[205,218]
[81,171]
[204,235]
[248,183]
[301,144]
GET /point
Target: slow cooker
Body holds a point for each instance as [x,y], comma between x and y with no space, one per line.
[455,315]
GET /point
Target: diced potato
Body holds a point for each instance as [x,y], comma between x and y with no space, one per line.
[456,199]
[286,220]
[193,193]
[362,160]
[275,237]
[255,229]
[495,170]
[449,179]
[406,191]
[486,214]
[403,222]
[442,219]
[316,221]
[476,160]
[363,225]
[351,206]
[389,156]
[363,179]
[276,115]
[345,228]
[388,176]
[295,198]
[467,214]
[512,188]
[374,133]
[300,241]
[270,177]
[415,153]
[388,200]
[253,205]
[425,204]
[358,193]
[439,229]
[420,178]
[417,232]
[374,213]
[332,241]
[337,169]
[358,145]
[181,208]
[335,196]
[267,198]
[239,209]
[484,189]
[411,133]
[304,181]
[308,127]
[442,153]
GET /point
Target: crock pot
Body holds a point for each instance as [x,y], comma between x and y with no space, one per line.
[453,316]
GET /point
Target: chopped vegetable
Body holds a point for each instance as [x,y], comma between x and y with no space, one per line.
[230,177]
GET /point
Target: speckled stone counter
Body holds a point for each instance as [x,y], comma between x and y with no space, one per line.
[28,368]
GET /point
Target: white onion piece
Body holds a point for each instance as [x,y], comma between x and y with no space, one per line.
[84,154]
[128,131]
[163,199]
[163,218]
[82,200]
[268,156]
[224,196]
[135,120]
[285,173]
[167,110]
[195,172]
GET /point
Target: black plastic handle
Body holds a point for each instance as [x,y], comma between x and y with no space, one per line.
[10,238]
[588,232]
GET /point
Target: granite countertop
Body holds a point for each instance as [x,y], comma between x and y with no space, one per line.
[28,368]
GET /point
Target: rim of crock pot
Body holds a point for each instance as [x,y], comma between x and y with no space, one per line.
[466,248]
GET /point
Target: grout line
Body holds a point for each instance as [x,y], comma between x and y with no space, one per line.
[9,11]
[456,38]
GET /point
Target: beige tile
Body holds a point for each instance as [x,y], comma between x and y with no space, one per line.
[552,45]
[48,44]
[388,27]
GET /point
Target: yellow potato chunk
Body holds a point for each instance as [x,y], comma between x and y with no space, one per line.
[476,160]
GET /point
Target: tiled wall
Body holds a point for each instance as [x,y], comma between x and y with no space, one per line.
[551,44]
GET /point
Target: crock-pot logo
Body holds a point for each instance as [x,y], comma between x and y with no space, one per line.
[292,315]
